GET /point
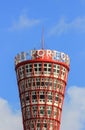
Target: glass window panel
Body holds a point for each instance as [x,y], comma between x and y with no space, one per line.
[27,97]
[57,71]
[40,69]
[37,83]
[49,69]
[42,83]
[49,111]
[35,65]
[45,69]
[41,111]
[49,97]
[42,96]
[30,65]
[56,98]
[34,97]
[40,64]
[45,65]
[49,65]
[35,69]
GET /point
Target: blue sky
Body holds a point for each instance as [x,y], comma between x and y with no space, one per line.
[21,25]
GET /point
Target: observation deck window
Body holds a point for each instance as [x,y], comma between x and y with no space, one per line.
[37,68]
[47,68]
[28,68]
[63,71]
[21,72]
[56,68]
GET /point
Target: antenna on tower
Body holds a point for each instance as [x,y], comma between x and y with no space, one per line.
[42,37]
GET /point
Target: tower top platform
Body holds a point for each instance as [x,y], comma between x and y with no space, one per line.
[42,55]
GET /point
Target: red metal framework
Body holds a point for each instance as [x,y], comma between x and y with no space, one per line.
[41,84]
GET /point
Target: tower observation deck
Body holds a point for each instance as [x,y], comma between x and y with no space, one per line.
[42,78]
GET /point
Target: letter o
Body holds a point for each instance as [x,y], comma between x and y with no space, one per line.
[63,57]
[40,53]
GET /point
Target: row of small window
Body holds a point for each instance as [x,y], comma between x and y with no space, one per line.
[42,83]
[38,79]
[37,65]
[41,113]
[47,121]
[40,92]
[41,107]
[37,69]
[40,98]
[45,125]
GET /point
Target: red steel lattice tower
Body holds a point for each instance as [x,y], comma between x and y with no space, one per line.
[41,77]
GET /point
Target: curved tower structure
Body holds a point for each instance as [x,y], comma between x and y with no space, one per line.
[41,77]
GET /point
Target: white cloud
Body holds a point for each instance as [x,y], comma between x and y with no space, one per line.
[23,22]
[63,26]
[74,109]
[8,119]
